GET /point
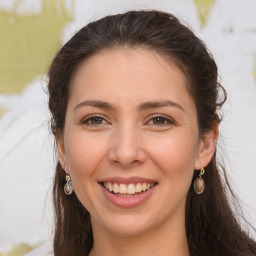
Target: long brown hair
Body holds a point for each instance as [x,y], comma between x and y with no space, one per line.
[211,225]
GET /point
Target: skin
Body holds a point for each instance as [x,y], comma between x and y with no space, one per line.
[127,141]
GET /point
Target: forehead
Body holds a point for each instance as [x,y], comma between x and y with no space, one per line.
[130,75]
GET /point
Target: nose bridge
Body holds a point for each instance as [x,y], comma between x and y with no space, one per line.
[126,147]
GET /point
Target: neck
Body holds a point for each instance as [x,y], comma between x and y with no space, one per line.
[168,239]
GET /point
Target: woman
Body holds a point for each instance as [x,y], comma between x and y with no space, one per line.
[135,112]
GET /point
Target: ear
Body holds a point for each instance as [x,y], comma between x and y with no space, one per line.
[206,147]
[61,150]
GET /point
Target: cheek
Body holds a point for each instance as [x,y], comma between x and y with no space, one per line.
[84,154]
[175,156]
[175,159]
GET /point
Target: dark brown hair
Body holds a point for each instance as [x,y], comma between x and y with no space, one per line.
[212,227]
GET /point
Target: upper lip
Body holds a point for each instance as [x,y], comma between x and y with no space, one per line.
[129,180]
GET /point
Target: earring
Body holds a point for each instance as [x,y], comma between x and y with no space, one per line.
[199,184]
[68,188]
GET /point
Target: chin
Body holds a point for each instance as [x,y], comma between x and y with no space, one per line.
[128,225]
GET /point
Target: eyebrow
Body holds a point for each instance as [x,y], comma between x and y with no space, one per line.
[141,107]
[159,104]
[95,103]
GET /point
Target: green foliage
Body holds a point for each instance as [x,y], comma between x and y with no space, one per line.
[255,69]
[28,43]
[19,250]
[203,8]
[2,111]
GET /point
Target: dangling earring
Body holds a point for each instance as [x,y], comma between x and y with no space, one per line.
[68,188]
[199,183]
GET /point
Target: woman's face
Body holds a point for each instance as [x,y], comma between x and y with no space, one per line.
[131,126]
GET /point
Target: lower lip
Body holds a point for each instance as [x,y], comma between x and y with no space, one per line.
[128,202]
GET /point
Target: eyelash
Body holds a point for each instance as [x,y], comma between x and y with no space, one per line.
[168,121]
[90,118]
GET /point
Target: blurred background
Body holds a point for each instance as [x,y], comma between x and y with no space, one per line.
[31,31]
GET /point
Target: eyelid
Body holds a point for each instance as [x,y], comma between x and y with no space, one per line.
[167,118]
[87,118]
[149,118]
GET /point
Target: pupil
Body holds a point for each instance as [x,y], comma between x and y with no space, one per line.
[97,120]
[158,120]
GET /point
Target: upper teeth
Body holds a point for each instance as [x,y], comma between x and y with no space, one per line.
[127,188]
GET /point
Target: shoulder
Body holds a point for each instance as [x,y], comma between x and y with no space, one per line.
[43,250]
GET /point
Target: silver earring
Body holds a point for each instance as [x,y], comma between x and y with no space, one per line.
[199,184]
[68,188]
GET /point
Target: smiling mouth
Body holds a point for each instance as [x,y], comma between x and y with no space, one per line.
[127,190]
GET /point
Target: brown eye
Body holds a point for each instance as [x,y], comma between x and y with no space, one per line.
[159,120]
[94,120]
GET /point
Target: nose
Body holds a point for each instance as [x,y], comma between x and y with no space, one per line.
[126,148]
